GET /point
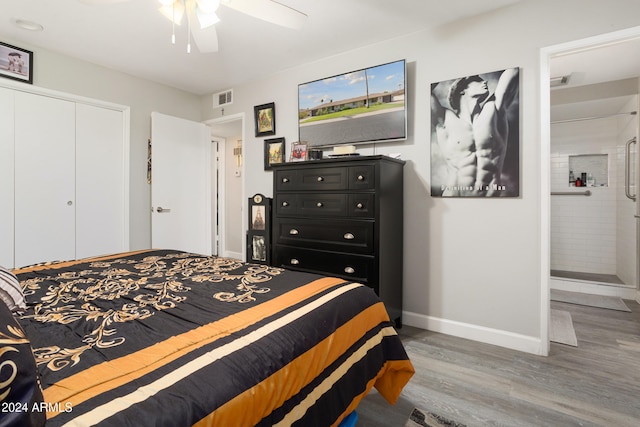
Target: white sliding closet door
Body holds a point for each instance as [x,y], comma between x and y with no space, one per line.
[44,179]
[6,177]
[100,181]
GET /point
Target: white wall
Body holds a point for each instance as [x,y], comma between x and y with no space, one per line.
[472,267]
[62,73]
[234,216]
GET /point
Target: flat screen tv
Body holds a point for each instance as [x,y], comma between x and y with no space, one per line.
[362,106]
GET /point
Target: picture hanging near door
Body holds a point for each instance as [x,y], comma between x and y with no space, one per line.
[475,135]
[265,119]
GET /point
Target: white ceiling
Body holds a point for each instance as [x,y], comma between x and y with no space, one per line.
[132,36]
[610,62]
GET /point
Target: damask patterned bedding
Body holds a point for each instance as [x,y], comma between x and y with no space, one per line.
[169,338]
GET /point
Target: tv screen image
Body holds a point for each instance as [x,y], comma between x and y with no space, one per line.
[363,106]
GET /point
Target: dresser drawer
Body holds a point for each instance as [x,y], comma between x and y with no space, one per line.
[320,179]
[342,236]
[312,205]
[361,177]
[354,267]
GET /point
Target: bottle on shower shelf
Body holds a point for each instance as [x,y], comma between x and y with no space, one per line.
[591,181]
[572,179]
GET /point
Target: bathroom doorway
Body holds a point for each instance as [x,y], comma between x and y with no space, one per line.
[594,105]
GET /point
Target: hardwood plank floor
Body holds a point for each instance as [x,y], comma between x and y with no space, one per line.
[594,384]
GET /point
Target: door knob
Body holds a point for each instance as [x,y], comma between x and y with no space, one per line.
[162,210]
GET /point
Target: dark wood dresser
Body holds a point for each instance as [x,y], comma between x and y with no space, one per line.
[342,217]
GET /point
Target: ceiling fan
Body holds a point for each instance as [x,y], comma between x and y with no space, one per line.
[201,16]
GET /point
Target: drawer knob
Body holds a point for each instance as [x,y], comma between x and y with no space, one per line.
[349,270]
[293,232]
[349,236]
[319,204]
[285,180]
[320,179]
[285,204]
[360,177]
[294,261]
[359,206]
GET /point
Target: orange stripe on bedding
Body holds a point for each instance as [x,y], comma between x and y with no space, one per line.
[297,374]
[61,264]
[109,375]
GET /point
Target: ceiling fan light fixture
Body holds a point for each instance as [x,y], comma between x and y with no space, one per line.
[173,12]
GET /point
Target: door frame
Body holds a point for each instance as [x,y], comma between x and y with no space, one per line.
[546,54]
[221,214]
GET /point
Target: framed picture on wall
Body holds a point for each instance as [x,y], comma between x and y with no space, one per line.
[482,157]
[274,152]
[16,63]
[265,119]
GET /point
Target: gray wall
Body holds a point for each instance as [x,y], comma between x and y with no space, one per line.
[472,267]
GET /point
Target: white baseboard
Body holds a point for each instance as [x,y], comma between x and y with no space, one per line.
[231,254]
[482,334]
[623,292]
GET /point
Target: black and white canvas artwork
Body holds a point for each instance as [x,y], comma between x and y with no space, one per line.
[475,135]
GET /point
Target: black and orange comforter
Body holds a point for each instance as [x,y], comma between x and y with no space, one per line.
[168,338]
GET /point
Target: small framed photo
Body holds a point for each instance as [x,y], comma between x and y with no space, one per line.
[259,248]
[298,152]
[265,119]
[258,217]
[274,152]
[16,63]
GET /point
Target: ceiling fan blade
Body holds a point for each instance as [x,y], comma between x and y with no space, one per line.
[270,11]
[205,38]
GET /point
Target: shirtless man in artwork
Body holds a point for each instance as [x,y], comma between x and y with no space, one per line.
[473,134]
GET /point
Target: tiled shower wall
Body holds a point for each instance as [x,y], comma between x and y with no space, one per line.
[584,231]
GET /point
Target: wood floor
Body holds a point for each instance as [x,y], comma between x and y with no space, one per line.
[594,384]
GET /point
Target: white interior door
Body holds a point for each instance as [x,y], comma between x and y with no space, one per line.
[180,186]
[44,179]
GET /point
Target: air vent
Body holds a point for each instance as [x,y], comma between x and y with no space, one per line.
[223,98]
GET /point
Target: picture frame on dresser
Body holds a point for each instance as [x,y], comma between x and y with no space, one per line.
[298,152]
[274,152]
[259,230]
[16,63]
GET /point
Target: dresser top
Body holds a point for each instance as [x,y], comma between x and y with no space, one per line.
[338,160]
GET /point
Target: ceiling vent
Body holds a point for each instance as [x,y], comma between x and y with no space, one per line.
[559,81]
[223,98]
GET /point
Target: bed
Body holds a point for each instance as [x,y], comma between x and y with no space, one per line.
[169,338]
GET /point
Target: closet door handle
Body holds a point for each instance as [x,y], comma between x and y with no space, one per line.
[162,210]
[627,169]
